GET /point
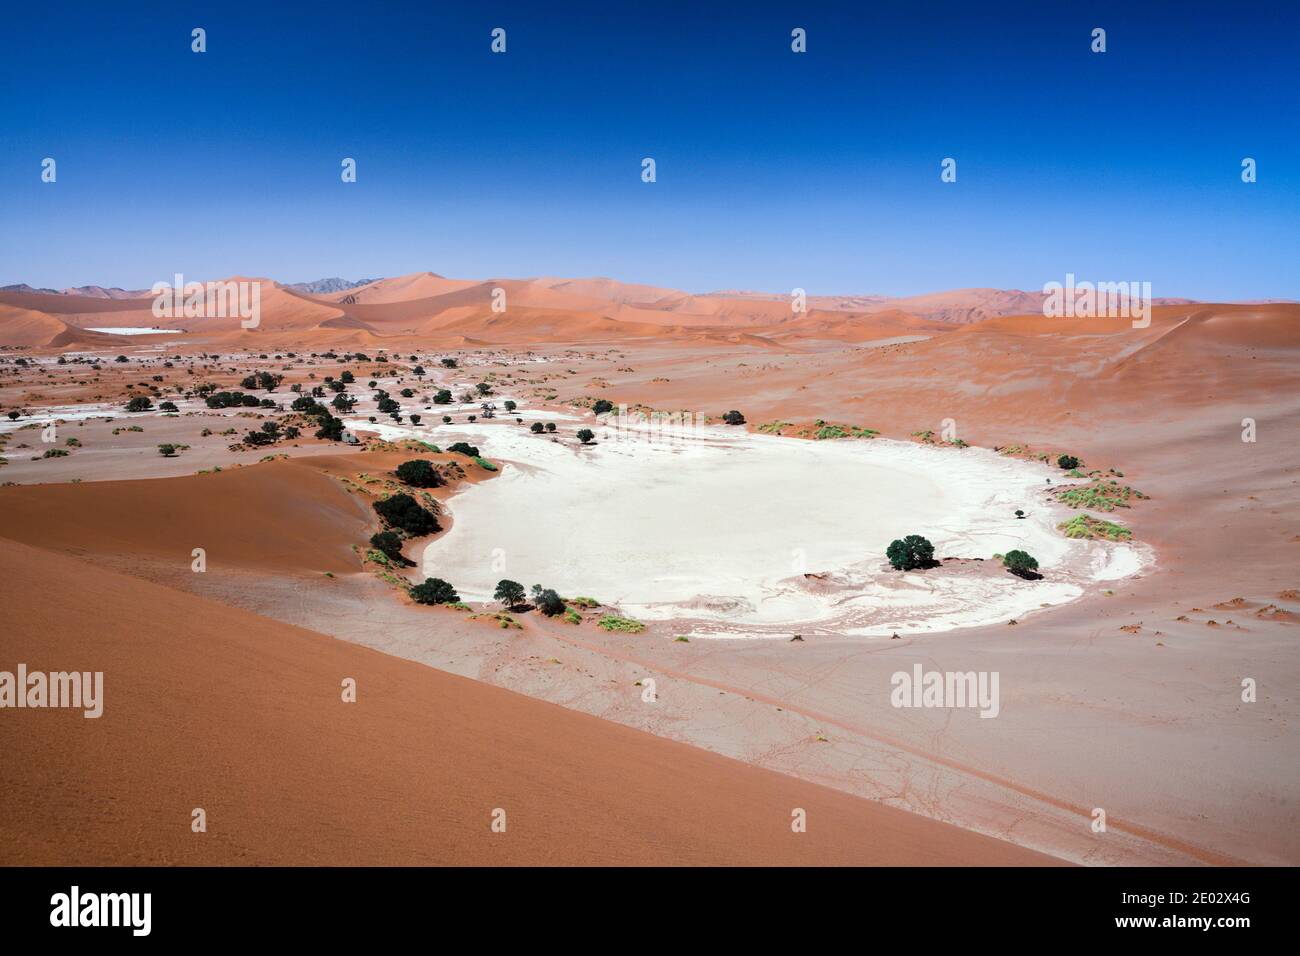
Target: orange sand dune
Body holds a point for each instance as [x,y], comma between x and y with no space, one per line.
[242,716]
[29,327]
[57,304]
[611,290]
[406,288]
[282,515]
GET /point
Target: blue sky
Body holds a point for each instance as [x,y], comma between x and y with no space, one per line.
[775,170]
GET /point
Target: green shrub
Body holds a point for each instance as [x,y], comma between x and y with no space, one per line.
[1068,462]
[625,625]
[1020,563]
[389,543]
[403,512]
[463,448]
[434,591]
[419,473]
[1086,526]
[547,601]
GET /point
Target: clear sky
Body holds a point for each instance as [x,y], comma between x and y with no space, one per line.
[775,170]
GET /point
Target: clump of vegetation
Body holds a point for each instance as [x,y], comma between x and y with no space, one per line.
[389,544]
[139,403]
[55,453]
[419,473]
[602,406]
[1068,462]
[485,464]
[843,431]
[548,601]
[774,428]
[463,448]
[403,512]
[586,435]
[1022,564]
[585,602]
[910,553]
[167,450]
[434,591]
[1086,526]
[572,616]
[734,417]
[1102,494]
[624,625]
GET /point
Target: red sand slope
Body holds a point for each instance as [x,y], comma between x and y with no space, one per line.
[208,706]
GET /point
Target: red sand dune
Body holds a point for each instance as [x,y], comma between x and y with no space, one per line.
[242,716]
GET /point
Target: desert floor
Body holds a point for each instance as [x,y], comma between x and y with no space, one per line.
[1128,700]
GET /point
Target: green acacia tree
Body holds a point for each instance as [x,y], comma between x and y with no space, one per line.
[910,553]
[510,593]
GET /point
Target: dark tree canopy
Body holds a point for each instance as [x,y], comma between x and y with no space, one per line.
[510,592]
[1021,563]
[547,601]
[464,448]
[403,512]
[434,591]
[419,473]
[734,417]
[910,553]
[602,406]
[585,435]
[389,543]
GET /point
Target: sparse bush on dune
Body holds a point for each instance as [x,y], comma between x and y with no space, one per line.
[1086,526]
[734,417]
[434,591]
[419,473]
[910,553]
[602,406]
[625,625]
[463,448]
[1068,462]
[1104,494]
[167,450]
[403,512]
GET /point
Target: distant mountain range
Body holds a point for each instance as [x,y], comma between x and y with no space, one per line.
[315,287]
[326,286]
